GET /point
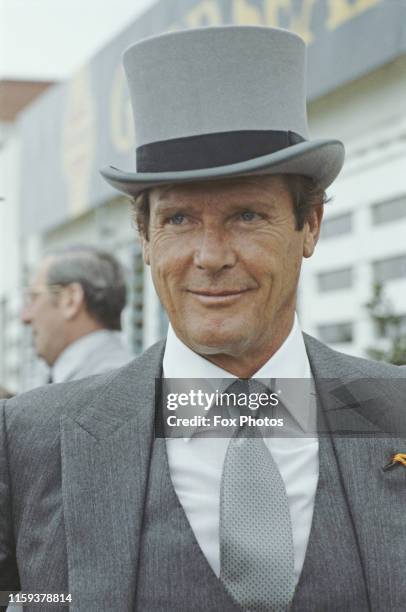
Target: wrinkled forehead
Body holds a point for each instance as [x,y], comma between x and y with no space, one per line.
[266,186]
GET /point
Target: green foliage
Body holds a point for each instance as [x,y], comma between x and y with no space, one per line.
[388,325]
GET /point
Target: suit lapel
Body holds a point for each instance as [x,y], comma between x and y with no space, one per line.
[376,499]
[105,452]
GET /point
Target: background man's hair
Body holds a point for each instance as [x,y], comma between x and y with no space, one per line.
[305,193]
[100,275]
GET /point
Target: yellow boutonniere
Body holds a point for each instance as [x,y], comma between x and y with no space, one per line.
[398,458]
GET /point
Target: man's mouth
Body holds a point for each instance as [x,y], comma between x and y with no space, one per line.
[218,292]
[217,296]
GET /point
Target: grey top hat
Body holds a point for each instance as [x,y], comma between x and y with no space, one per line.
[221,102]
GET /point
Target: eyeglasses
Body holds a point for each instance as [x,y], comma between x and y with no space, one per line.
[30,294]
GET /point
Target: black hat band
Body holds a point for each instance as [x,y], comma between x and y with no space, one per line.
[212,150]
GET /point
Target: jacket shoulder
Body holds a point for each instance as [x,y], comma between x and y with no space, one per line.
[332,363]
[42,408]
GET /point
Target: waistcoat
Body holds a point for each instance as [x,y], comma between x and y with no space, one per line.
[174,575]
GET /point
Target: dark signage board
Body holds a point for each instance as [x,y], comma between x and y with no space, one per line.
[85,123]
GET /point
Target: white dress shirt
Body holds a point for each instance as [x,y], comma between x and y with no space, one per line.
[94,353]
[196,463]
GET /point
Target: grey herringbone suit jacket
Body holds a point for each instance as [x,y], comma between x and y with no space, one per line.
[74,462]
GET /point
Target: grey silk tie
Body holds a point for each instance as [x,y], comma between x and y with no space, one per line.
[256,545]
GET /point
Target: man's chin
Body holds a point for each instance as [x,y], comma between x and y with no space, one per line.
[209,342]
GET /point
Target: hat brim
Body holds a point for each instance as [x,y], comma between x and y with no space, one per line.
[320,159]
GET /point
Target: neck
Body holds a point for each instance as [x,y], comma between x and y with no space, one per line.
[245,364]
[79,331]
[72,335]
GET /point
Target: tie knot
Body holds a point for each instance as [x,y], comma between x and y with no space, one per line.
[240,385]
[248,398]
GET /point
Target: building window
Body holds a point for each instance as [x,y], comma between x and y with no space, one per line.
[136,302]
[391,210]
[334,280]
[390,268]
[334,333]
[336,226]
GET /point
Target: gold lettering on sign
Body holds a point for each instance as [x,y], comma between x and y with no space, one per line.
[79,141]
[341,11]
[205,13]
[122,127]
[272,8]
[245,13]
[299,22]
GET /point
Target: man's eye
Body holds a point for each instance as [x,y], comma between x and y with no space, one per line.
[248,215]
[177,219]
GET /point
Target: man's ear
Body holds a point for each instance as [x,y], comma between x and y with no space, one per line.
[312,230]
[71,300]
[145,250]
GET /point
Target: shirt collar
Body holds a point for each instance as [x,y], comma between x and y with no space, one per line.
[289,362]
[76,354]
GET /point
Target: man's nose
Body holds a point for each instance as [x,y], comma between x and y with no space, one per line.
[214,250]
[25,315]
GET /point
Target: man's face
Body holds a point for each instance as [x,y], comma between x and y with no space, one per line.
[44,313]
[225,260]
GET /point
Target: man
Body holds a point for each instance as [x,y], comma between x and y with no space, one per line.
[229,196]
[74,308]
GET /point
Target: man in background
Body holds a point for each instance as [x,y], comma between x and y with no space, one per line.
[74,308]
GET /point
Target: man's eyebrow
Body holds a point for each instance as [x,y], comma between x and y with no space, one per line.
[165,205]
[253,206]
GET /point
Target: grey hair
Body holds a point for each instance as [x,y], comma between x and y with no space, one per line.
[100,275]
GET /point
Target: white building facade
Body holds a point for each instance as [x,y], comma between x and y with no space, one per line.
[363,239]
